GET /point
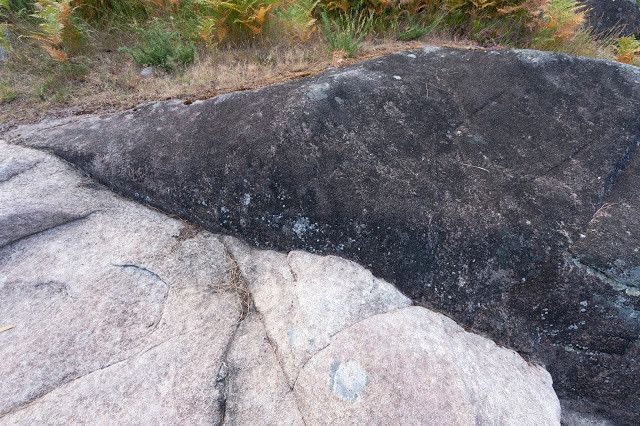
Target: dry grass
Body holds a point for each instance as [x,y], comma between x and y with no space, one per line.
[112,82]
[240,287]
[96,76]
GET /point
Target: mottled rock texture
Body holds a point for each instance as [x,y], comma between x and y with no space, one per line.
[498,187]
[113,313]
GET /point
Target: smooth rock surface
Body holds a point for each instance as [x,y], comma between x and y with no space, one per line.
[475,181]
[305,300]
[460,376]
[111,312]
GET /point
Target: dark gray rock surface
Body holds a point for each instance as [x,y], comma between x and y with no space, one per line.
[500,188]
[618,16]
[122,315]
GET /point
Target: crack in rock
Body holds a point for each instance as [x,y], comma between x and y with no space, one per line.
[223,374]
[240,287]
[35,399]
[13,174]
[64,223]
[616,284]
[154,325]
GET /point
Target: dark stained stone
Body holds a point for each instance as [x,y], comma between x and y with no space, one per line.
[614,16]
[498,187]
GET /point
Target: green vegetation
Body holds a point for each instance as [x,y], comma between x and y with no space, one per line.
[68,51]
[345,33]
[415,28]
[628,49]
[7,94]
[171,28]
[162,48]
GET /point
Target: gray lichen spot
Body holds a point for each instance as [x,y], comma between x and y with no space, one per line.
[632,70]
[392,110]
[301,226]
[246,199]
[534,56]
[430,49]
[318,92]
[634,292]
[348,380]
[293,337]
[627,282]
[221,98]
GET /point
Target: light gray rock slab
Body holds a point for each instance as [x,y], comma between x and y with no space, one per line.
[118,312]
[415,366]
[305,299]
[257,390]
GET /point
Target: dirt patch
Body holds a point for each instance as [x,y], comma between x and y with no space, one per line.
[114,84]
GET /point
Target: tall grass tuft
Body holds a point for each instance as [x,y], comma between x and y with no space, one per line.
[345,32]
[162,48]
[414,28]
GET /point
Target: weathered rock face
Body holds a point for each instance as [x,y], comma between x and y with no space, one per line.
[118,312]
[617,16]
[497,187]
[114,313]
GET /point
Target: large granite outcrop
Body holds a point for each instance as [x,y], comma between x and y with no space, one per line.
[498,187]
[113,313]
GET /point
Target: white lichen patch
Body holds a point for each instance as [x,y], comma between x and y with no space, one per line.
[356,73]
[222,98]
[534,56]
[302,226]
[348,380]
[431,49]
[317,92]
[293,337]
